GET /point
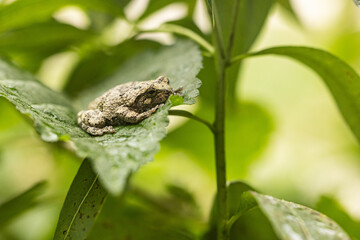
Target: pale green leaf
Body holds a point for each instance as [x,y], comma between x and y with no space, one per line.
[292,221]
[156,5]
[342,81]
[114,156]
[333,209]
[20,203]
[82,205]
[25,12]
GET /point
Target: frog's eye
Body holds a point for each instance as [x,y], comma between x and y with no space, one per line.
[151,92]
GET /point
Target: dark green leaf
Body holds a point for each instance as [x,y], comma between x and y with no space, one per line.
[244,221]
[342,81]
[20,203]
[289,220]
[48,36]
[42,40]
[26,12]
[114,156]
[239,22]
[238,201]
[332,208]
[180,63]
[82,204]
[90,72]
[142,216]
[293,221]
[247,15]
[252,225]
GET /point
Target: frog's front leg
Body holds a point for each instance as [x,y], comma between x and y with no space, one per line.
[93,122]
[128,115]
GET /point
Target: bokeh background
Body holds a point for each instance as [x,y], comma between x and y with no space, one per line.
[288,140]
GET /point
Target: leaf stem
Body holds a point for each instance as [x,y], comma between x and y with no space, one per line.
[187,114]
[240,57]
[172,28]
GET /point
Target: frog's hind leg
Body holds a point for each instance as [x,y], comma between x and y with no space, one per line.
[93,122]
[130,116]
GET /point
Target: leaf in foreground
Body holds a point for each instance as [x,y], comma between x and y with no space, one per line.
[20,203]
[333,209]
[113,156]
[82,204]
[342,81]
[293,221]
[290,221]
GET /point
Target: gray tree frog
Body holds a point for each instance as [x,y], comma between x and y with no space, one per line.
[128,103]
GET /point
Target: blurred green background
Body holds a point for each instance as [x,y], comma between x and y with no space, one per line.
[286,138]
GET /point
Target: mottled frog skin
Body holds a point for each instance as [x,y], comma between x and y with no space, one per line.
[128,103]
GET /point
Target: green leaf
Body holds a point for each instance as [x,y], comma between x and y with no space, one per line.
[342,81]
[42,40]
[82,205]
[293,221]
[20,203]
[333,209]
[238,202]
[239,23]
[156,5]
[47,36]
[241,20]
[174,216]
[180,63]
[89,72]
[25,12]
[244,220]
[289,220]
[286,4]
[113,156]
[252,225]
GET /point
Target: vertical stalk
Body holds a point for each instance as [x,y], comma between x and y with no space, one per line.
[221,58]
[219,136]
[220,61]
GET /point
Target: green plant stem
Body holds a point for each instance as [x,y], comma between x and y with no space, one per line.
[172,28]
[221,59]
[219,138]
[187,114]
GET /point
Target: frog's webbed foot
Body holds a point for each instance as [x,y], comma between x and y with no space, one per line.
[94,123]
[98,131]
[128,115]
